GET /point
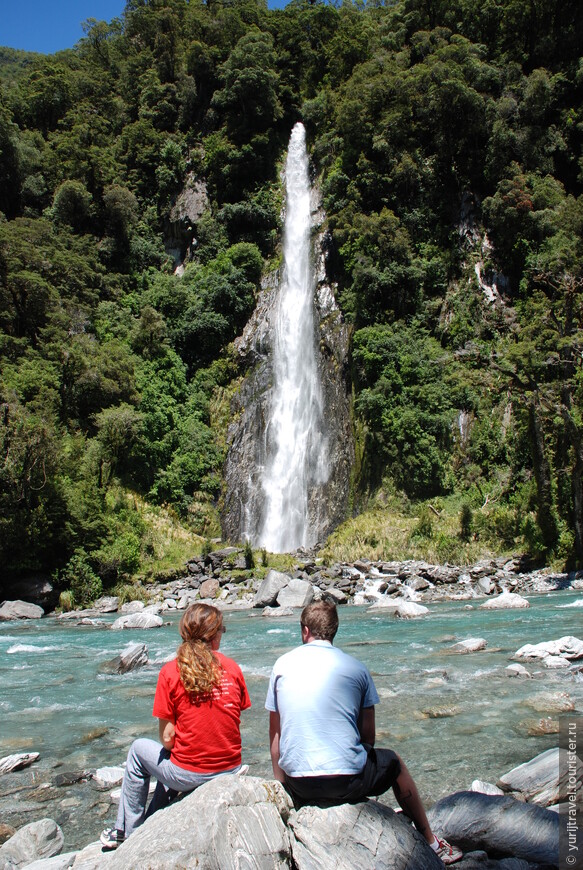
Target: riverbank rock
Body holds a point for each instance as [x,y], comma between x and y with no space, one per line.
[297,593]
[506,600]
[107,604]
[137,620]
[500,825]
[362,835]
[234,822]
[567,647]
[229,822]
[35,841]
[269,588]
[544,780]
[20,610]
[134,656]
[17,761]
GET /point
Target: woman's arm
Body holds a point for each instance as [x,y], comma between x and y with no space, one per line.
[167,733]
[274,732]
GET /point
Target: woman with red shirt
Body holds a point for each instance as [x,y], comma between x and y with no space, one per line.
[198,702]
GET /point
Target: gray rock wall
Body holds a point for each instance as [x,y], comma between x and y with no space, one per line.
[246,457]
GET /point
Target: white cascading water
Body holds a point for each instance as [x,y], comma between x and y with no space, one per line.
[295,440]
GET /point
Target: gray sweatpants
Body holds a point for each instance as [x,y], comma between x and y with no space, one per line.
[148,758]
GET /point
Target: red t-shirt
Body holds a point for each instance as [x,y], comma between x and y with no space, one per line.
[208,738]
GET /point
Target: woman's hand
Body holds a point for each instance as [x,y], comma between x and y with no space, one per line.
[167,733]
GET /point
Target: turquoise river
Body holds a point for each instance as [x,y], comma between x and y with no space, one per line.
[454,718]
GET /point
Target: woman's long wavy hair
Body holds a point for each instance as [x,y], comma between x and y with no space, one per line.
[200,670]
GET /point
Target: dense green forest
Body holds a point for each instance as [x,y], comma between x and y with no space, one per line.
[446,136]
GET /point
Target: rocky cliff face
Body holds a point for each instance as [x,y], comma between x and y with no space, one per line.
[246,457]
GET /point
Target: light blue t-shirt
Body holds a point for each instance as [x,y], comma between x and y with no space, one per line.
[319,691]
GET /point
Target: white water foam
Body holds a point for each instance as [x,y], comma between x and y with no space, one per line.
[27,648]
[296,443]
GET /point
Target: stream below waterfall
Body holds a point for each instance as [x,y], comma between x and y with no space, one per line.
[55,701]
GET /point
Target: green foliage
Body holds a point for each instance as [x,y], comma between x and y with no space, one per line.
[248,555]
[424,526]
[429,126]
[83,583]
[466,522]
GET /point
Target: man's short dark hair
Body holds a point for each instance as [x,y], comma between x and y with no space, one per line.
[321,617]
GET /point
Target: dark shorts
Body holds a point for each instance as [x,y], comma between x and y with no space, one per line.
[378,775]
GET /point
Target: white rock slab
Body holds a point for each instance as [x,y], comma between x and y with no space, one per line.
[545,779]
[518,671]
[485,787]
[568,647]
[17,761]
[108,777]
[471,644]
[410,610]
[506,600]
[137,620]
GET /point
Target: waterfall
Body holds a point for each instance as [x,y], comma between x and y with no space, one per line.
[295,441]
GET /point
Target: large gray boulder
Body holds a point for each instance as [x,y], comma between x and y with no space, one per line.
[500,825]
[107,604]
[229,823]
[297,593]
[20,610]
[364,835]
[544,780]
[41,839]
[134,656]
[271,585]
[58,862]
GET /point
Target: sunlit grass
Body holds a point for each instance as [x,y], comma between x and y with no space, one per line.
[384,533]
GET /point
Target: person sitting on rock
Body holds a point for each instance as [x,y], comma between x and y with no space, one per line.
[322,729]
[199,698]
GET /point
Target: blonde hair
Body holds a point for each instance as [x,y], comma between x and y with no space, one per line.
[200,670]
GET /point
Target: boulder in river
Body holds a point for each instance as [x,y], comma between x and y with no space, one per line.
[568,647]
[229,822]
[471,644]
[108,777]
[498,824]
[364,835]
[246,822]
[17,761]
[410,610]
[20,610]
[543,780]
[41,839]
[138,620]
[134,656]
[506,600]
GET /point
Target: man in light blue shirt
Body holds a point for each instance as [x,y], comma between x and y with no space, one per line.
[322,728]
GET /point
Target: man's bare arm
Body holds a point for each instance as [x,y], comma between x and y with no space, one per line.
[274,733]
[366,725]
